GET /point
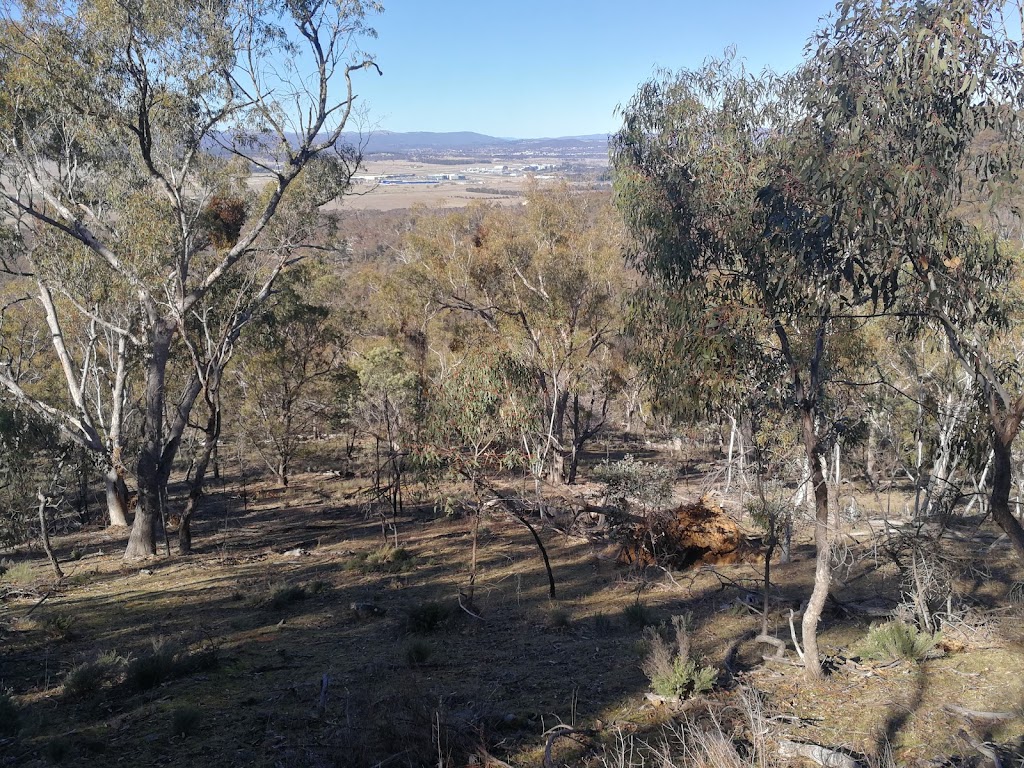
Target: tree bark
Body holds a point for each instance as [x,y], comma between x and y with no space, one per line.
[44,533]
[142,541]
[117,498]
[822,543]
[1002,482]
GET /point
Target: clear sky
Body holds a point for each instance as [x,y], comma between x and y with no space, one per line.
[542,68]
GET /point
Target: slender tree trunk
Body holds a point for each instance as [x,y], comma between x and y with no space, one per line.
[822,543]
[556,472]
[44,533]
[195,494]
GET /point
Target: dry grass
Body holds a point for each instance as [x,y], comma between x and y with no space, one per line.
[314,683]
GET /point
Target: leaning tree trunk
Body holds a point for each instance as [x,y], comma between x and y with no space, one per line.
[1002,482]
[822,543]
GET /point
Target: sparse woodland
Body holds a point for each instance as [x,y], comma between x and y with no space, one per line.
[719,469]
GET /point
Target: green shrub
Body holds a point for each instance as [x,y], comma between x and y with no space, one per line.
[634,484]
[638,615]
[55,750]
[60,625]
[84,679]
[87,678]
[671,668]
[282,595]
[424,618]
[385,559]
[154,667]
[896,640]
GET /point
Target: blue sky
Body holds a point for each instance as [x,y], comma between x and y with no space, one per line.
[534,68]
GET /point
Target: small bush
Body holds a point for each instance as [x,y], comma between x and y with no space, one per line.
[603,624]
[417,653]
[638,615]
[386,559]
[896,640]
[428,617]
[10,718]
[88,678]
[60,626]
[558,619]
[85,679]
[282,595]
[185,720]
[153,668]
[634,484]
[671,669]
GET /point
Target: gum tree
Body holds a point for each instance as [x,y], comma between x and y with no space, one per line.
[747,276]
[920,111]
[121,126]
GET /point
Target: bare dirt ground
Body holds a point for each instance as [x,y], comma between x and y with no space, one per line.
[294,637]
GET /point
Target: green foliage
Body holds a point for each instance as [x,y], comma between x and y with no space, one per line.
[88,678]
[632,483]
[384,559]
[558,620]
[60,625]
[154,667]
[603,624]
[670,667]
[282,595]
[896,640]
[637,614]
[57,749]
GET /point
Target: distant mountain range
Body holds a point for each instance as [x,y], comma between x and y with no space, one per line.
[463,142]
[460,145]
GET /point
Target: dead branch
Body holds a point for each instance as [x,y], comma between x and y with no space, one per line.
[974,714]
[829,758]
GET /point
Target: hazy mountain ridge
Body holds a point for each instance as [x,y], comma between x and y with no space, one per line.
[463,142]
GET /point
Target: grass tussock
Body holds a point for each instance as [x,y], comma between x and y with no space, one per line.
[385,559]
[897,641]
[18,573]
[743,739]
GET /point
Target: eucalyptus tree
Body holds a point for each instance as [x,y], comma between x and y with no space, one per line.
[121,127]
[293,376]
[920,111]
[749,283]
[544,283]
